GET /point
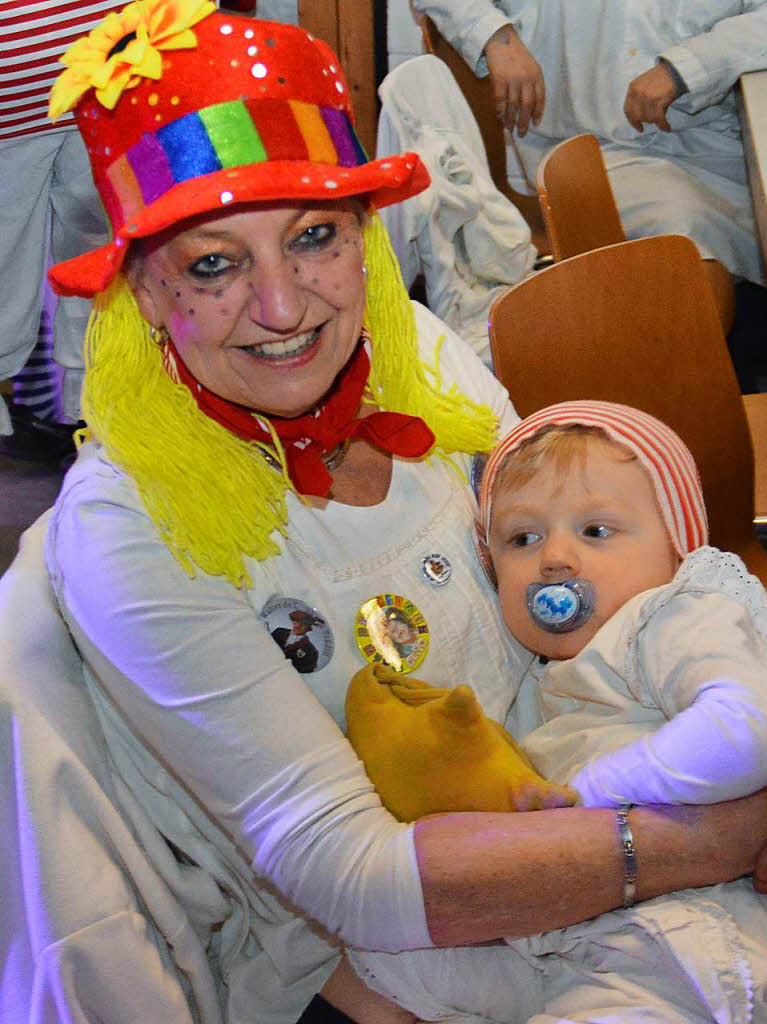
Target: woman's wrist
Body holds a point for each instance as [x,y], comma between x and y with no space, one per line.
[506,35]
[686,846]
[630,868]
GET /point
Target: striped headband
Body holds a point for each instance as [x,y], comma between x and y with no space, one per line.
[661,451]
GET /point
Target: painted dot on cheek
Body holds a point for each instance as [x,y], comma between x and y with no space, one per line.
[190,312]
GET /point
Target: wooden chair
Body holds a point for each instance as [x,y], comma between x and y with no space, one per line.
[478,93]
[636,323]
[579,210]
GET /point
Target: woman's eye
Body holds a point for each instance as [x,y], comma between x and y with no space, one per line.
[524,540]
[599,530]
[315,237]
[213,264]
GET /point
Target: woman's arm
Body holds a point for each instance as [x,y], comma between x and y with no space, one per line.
[520,874]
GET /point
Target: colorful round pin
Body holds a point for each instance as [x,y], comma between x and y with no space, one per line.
[301,632]
[390,628]
[436,569]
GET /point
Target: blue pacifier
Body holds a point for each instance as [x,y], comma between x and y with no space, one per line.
[560,607]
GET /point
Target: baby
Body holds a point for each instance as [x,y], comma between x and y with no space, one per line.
[651,684]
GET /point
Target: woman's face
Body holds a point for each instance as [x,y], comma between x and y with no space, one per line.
[264,303]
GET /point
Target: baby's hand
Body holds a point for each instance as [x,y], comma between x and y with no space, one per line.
[540,795]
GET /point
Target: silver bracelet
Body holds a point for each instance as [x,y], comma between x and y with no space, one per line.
[626,837]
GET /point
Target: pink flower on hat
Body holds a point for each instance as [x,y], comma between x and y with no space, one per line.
[124,48]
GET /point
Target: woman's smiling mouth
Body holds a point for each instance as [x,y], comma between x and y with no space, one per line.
[289,348]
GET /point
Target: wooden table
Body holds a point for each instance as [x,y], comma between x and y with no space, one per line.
[756,414]
[753,120]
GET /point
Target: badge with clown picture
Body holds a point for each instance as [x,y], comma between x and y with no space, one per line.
[391,629]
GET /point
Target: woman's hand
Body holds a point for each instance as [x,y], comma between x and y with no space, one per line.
[518,85]
[648,98]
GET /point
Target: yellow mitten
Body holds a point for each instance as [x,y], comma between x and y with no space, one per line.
[428,750]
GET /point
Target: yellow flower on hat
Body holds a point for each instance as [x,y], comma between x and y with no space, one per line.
[124,48]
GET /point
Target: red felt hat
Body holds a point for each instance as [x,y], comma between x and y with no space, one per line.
[205,111]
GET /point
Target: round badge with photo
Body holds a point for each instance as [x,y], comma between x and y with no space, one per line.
[303,635]
[390,628]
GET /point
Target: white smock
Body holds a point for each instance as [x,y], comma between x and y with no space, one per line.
[465,237]
[691,181]
[231,767]
[666,704]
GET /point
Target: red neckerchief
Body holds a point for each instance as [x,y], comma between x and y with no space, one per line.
[307,438]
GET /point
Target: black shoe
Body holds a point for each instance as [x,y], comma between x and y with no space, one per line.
[36,440]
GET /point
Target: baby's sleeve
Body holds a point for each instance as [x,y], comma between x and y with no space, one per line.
[701,662]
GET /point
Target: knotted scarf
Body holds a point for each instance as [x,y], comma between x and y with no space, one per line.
[306,439]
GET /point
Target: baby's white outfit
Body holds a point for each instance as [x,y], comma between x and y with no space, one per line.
[666,704]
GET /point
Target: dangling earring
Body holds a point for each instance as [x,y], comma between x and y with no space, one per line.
[365,269]
[159,335]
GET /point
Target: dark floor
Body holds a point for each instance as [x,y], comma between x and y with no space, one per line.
[26,490]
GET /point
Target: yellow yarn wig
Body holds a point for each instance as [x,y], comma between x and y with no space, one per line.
[214,498]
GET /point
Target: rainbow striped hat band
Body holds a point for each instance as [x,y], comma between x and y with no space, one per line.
[226,110]
[661,451]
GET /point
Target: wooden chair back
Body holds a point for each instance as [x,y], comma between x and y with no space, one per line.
[478,93]
[579,211]
[577,199]
[636,323]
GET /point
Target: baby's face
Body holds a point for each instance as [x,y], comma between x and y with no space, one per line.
[600,521]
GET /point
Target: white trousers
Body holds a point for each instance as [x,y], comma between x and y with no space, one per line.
[657,193]
[49,204]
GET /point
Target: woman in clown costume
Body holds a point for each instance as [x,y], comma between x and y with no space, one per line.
[272,423]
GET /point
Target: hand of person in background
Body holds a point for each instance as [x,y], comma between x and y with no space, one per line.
[649,96]
[518,84]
